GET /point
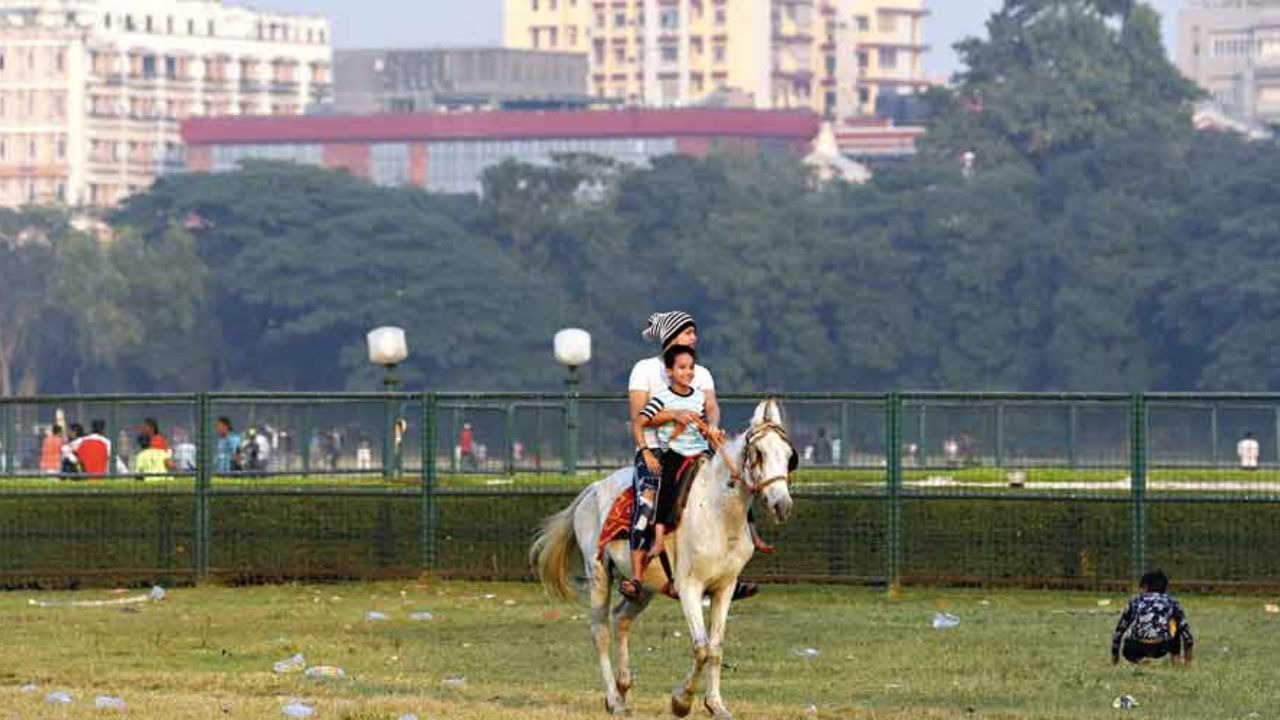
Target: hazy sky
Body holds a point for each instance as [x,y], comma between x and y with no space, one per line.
[407,23]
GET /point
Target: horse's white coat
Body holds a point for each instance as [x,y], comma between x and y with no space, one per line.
[708,552]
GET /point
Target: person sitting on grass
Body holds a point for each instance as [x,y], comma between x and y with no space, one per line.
[679,414]
[1159,627]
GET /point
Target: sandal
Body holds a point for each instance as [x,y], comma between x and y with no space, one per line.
[670,590]
[631,589]
[763,547]
[745,589]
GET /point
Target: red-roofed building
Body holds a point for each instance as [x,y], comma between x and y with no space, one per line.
[448,152]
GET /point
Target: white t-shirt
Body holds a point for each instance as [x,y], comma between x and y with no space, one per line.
[1247,449]
[650,375]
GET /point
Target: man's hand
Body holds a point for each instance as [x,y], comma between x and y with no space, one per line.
[651,462]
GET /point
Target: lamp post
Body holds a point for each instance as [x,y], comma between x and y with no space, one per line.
[572,349]
[387,347]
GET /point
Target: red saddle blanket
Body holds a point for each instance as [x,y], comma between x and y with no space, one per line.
[618,523]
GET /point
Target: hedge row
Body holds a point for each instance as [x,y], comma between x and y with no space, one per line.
[115,538]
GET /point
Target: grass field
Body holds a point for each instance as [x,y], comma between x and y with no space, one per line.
[208,652]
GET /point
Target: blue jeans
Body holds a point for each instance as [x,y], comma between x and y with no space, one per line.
[645,482]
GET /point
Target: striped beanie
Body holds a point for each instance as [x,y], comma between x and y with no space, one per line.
[665,326]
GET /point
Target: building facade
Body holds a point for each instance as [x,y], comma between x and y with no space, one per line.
[1231,49]
[890,48]
[774,53]
[92,91]
[400,81]
[449,152]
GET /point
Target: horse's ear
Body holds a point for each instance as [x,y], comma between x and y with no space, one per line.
[773,411]
[760,415]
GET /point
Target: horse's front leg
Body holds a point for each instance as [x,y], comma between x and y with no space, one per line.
[600,633]
[691,603]
[720,602]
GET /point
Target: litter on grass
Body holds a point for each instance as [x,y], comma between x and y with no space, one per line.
[808,653]
[375,615]
[1124,702]
[944,621]
[297,708]
[108,702]
[423,616]
[157,593]
[294,664]
[58,698]
[326,672]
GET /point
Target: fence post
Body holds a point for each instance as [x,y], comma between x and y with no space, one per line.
[429,512]
[1073,416]
[999,434]
[204,475]
[7,438]
[1138,484]
[844,436]
[893,486]
[1213,430]
[509,428]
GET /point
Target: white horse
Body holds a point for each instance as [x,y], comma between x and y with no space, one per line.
[708,551]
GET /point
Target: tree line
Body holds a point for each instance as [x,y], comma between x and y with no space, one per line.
[1095,241]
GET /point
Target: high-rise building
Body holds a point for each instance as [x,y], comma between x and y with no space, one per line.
[836,57]
[92,91]
[780,54]
[1231,48]
[890,50]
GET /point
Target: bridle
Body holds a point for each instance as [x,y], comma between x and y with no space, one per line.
[754,433]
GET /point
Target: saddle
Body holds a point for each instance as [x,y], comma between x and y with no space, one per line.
[617,523]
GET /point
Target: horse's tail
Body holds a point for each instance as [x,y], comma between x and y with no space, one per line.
[552,549]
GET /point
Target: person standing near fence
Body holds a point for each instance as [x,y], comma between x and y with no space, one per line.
[51,451]
[228,448]
[1247,451]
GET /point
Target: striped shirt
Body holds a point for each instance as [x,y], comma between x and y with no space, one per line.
[690,442]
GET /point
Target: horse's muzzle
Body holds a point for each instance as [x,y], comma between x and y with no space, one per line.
[782,509]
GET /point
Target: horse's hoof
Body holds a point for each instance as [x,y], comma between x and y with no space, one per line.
[681,706]
[720,712]
[616,709]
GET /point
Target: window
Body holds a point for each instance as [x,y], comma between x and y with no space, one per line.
[4,149]
[864,24]
[717,52]
[551,4]
[669,18]
[887,22]
[210,26]
[168,24]
[148,24]
[33,150]
[1,59]
[600,19]
[149,66]
[619,53]
[864,96]
[171,67]
[620,18]
[721,16]
[554,37]
[830,61]
[533,5]
[60,60]
[128,23]
[670,52]
[829,103]
[61,148]
[191,27]
[863,61]
[533,38]
[572,34]
[106,21]
[888,58]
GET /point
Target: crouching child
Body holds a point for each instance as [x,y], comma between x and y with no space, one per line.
[1155,625]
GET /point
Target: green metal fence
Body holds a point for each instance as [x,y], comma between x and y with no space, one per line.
[1074,490]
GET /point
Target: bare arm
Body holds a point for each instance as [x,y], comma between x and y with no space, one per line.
[636,400]
[712,408]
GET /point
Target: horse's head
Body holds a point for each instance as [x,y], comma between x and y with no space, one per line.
[769,458]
